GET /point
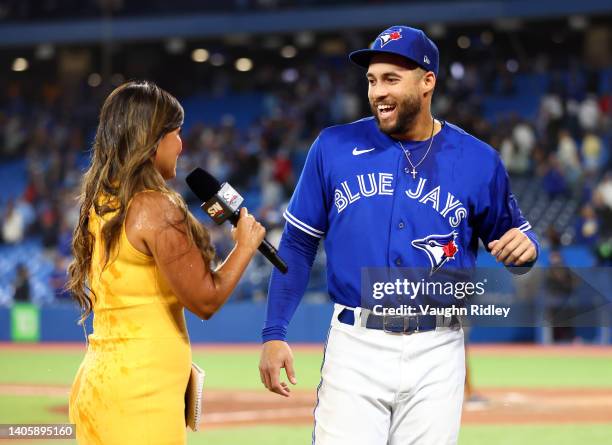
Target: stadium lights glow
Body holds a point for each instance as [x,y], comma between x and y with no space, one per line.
[463,42]
[305,39]
[457,70]
[199,55]
[486,37]
[436,30]
[94,80]
[578,22]
[512,66]
[272,42]
[217,59]
[508,24]
[244,64]
[20,64]
[175,45]
[288,52]
[45,51]
[290,75]
[237,38]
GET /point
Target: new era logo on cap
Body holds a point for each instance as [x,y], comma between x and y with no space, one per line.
[426,60]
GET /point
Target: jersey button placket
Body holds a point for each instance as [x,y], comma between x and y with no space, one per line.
[397,235]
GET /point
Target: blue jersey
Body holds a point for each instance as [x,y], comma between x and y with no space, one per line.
[356,192]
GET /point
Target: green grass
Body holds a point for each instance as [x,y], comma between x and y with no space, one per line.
[225,371]
[542,372]
[47,442]
[592,434]
[44,367]
[31,409]
[239,371]
[265,435]
[470,435]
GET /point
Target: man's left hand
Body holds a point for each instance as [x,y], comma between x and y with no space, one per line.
[513,248]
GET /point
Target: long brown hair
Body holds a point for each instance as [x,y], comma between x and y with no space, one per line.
[133,120]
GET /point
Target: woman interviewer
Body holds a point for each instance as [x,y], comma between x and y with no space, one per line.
[139,258]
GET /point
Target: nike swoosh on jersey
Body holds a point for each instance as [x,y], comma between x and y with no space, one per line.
[357,152]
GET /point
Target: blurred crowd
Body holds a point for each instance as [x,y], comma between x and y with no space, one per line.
[565,145]
[36,9]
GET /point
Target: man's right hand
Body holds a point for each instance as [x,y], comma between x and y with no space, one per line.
[276,354]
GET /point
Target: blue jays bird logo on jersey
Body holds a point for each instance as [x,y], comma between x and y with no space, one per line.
[439,249]
[389,37]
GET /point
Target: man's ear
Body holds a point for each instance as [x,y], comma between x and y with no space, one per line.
[428,81]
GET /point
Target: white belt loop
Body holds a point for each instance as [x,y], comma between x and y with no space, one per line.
[337,309]
[357,314]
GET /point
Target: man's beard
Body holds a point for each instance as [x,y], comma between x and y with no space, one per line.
[407,111]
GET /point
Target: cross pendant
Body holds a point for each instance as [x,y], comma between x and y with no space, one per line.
[413,173]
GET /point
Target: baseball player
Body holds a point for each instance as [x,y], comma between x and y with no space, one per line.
[398,189]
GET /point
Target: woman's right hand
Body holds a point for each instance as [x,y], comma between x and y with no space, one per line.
[249,233]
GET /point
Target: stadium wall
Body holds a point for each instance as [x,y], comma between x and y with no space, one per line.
[242,322]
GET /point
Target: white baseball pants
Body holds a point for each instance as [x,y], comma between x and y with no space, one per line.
[380,388]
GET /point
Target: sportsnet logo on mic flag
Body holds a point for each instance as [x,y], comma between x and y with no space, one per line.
[223,204]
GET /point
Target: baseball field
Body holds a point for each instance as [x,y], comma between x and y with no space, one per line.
[536,395]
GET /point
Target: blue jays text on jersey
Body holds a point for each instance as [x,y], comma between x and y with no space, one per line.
[355,193]
[368,185]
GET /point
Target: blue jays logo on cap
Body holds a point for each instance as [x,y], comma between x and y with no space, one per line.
[389,37]
[404,41]
[439,249]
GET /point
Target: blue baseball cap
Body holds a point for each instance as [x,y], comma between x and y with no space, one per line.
[404,41]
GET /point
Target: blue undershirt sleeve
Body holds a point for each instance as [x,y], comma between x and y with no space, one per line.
[500,212]
[285,292]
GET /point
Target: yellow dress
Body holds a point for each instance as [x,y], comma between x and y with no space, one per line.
[130,387]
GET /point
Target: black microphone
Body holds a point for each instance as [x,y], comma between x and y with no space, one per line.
[222,203]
